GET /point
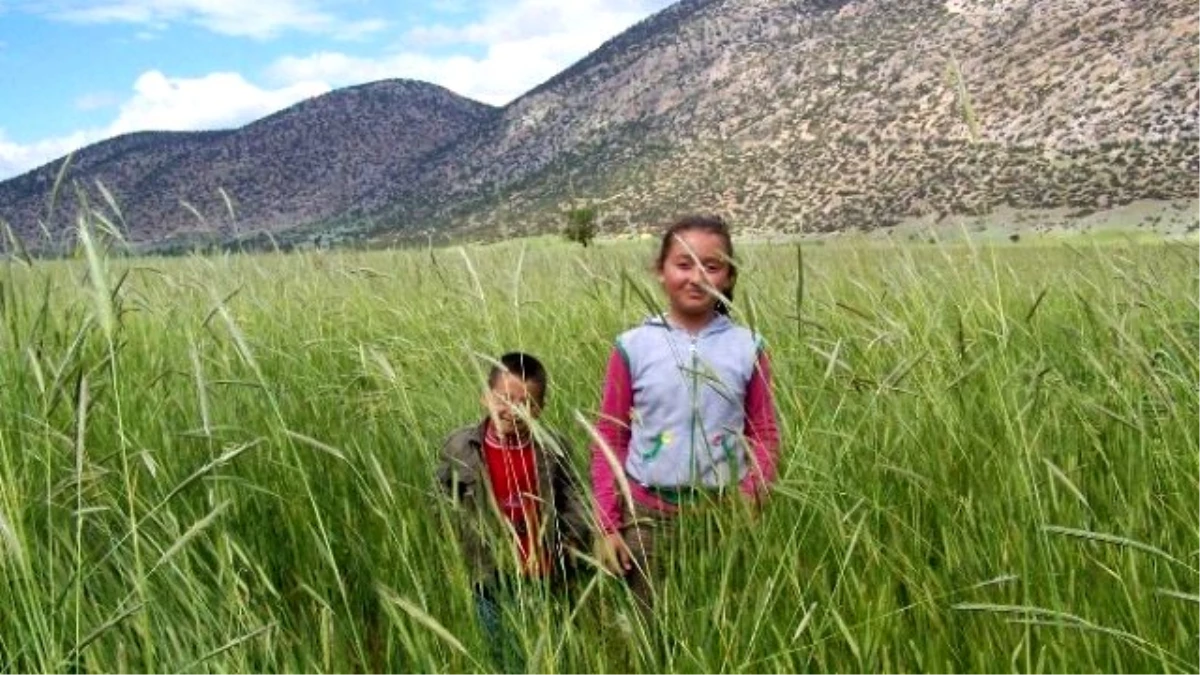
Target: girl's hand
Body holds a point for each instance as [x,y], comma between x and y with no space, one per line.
[752,502]
[616,553]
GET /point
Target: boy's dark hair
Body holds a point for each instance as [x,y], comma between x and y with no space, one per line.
[712,225]
[524,366]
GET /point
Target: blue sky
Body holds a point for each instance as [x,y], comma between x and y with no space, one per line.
[74,72]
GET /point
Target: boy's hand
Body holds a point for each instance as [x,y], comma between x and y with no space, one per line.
[616,553]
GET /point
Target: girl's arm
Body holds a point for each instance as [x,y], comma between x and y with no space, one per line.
[613,428]
[761,430]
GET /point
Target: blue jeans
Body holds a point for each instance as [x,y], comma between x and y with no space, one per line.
[492,600]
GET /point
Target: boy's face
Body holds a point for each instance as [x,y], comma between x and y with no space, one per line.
[511,403]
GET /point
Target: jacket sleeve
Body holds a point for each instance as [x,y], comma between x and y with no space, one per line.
[445,473]
[455,486]
[762,433]
[452,474]
[613,428]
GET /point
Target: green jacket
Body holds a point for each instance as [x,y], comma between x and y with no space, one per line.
[486,544]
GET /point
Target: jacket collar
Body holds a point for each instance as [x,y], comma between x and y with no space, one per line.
[479,431]
[718,324]
[472,464]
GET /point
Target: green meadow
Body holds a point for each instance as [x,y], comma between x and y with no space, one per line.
[224,463]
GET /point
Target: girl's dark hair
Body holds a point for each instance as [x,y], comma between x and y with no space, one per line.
[712,225]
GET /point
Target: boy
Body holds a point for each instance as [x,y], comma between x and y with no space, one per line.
[518,512]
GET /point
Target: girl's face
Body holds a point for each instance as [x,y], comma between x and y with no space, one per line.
[697,263]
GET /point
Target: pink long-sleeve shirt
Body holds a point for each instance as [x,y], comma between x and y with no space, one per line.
[613,428]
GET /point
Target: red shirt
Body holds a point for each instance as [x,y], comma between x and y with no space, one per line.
[512,470]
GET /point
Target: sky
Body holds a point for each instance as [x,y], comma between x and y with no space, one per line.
[74,72]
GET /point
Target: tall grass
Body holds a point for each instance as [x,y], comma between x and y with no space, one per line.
[225,463]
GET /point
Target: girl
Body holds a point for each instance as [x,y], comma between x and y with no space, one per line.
[687,409]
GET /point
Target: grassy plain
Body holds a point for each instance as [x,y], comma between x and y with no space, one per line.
[224,464]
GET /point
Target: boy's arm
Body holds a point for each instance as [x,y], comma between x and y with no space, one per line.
[444,474]
[450,467]
[613,429]
[762,433]
[455,477]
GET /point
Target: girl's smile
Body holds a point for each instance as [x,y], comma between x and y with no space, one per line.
[694,270]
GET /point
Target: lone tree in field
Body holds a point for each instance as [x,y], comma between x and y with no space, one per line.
[581,225]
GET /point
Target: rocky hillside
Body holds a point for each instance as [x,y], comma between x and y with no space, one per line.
[782,114]
[803,114]
[331,156]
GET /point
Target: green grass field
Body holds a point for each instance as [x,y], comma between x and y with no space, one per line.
[225,464]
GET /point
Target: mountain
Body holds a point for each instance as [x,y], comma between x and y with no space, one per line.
[782,114]
[802,114]
[330,156]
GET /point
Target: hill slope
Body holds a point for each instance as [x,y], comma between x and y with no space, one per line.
[795,114]
[329,156]
[782,114]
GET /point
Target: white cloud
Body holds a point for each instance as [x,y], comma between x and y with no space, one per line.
[217,100]
[259,19]
[17,158]
[524,43]
[449,6]
[516,45]
[161,103]
[96,100]
[481,79]
[526,19]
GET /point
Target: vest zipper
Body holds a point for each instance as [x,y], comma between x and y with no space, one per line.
[695,337]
